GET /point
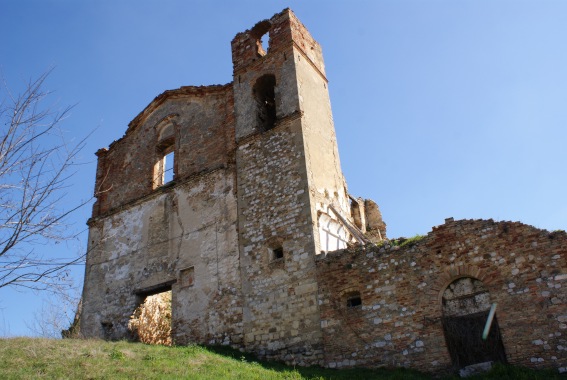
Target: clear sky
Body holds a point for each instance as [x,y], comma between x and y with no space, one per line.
[442,108]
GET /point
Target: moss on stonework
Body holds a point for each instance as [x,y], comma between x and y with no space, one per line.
[401,242]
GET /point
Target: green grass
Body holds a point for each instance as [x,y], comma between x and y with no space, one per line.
[27,358]
[404,242]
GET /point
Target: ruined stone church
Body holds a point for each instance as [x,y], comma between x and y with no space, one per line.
[232,197]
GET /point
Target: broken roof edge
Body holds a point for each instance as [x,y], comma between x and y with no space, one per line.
[181,91]
[504,227]
[161,98]
[252,30]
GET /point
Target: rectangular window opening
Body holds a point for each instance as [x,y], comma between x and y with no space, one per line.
[277,253]
[354,300]
[168,164]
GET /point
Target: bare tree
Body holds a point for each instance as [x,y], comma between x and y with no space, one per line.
[36,164]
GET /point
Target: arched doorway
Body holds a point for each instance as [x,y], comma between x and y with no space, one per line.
[466,305]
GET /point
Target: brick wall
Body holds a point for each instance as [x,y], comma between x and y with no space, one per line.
[399,322]
[203,133]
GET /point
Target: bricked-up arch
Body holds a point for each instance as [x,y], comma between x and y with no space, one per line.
[454,272]
[466,304]
[265,96]
[165,130]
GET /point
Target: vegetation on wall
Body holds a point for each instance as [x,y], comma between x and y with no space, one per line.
[402,241]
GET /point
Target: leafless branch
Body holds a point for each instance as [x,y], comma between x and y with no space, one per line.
[36,165]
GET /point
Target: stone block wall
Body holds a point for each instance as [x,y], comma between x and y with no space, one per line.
[280,305]
[181,238]
[399,321]
[237,234]
[276,217]
[147,236]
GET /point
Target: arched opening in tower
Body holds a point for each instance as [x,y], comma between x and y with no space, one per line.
[265,96]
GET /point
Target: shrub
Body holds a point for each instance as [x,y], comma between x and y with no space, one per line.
[151,321]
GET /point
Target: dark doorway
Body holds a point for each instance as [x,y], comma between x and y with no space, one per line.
[466,305]
[463,335]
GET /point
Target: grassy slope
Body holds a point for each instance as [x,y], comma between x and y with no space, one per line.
[25,358]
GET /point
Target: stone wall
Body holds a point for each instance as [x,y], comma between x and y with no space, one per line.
[257,193]
[399,321]
[281,315]
[155,245]
[276,230]
[147,236]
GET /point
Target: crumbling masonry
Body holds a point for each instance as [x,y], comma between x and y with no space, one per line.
[233,198]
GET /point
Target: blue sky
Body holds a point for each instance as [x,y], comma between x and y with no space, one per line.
[442,108]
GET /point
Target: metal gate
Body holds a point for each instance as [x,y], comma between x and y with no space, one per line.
[463,335]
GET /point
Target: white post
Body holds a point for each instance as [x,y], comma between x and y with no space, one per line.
[489,321]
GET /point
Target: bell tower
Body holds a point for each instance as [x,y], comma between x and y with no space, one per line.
[288,177]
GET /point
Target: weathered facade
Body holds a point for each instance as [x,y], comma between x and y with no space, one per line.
[233,198]
[413,296]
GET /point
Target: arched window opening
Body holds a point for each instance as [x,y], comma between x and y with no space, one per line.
[466,305]
[265,42]
[332,235]
[265,96]
[353,300]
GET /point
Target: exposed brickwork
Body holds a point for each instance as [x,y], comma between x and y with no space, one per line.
[201,117]
[399,322]
[257,195]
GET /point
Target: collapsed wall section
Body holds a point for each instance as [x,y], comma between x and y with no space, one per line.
[390,306]
[196,123]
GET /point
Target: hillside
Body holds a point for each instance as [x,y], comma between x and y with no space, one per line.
[27,358]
